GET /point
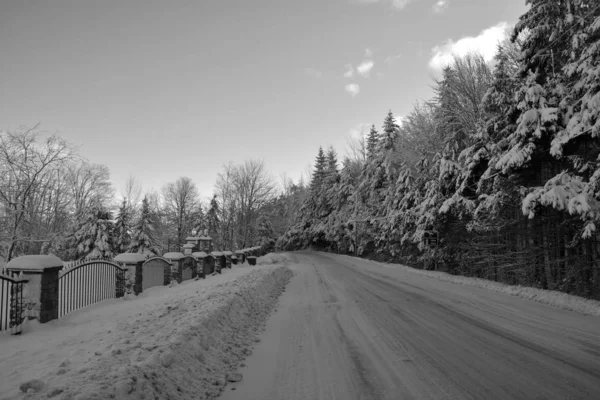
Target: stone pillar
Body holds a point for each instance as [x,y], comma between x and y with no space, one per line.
[218,256]
[167,275]
[200,258]
[228,255]
[188,249]
[176,260]
[134,273]
[40,293]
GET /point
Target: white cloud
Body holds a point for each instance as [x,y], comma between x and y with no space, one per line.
[365,68]
[349,71]
[392,59]
[368,53]
[440,6]
[315,73]
[399,4]
[352,88]
[486,43]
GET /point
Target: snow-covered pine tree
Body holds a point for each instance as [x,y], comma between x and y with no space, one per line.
[264,232]
[389,134]
[372,142]
[94,236]
[319,172]
[143,236]
[122,234]
[212,220]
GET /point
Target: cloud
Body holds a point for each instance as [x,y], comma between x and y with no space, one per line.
[352,88]
[349,71]
[368,53]
[365,68]
[315,73]
[486,43]
[440,6]
[399,4]
[392,59]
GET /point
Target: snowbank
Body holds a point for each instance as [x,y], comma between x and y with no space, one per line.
[552,298]
[274,258]
[176,343]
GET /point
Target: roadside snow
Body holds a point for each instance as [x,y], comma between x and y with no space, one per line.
[552,298]
[183,342]
[273,258]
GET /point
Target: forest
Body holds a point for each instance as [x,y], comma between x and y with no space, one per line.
[54,201]
[495,177]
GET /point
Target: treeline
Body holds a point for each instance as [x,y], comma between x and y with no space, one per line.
[495,177]
[53,201]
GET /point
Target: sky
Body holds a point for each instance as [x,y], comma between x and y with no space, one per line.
[158,90]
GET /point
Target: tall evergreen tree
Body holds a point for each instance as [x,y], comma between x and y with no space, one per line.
[389,134]
[331,166]
[264,232]
[319,172]
[122,228]
[94,237]
[372,142]
[143,237]
[212,218]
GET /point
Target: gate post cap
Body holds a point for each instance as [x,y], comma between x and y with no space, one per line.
[34,263]
[174,256]
[130,258]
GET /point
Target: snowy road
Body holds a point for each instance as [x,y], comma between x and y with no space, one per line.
[349,329]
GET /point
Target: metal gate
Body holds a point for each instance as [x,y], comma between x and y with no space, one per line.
[188,268]
[11,303]
[153,272]
[84,283]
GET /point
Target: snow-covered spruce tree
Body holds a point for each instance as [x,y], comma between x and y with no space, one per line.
[264,232]
[122,228]
[143,235]
[213,222]
[94,236]
[575,189]
[372,142]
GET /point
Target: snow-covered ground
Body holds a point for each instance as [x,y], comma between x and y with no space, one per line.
[179,342]
[274,258]
[553,298]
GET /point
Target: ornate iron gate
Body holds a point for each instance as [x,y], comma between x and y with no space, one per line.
[84,283]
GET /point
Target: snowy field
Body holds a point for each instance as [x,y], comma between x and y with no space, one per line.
[178,342]
[553,298]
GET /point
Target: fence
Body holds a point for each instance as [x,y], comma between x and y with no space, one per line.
[86,283]
[12,306]
[52,289]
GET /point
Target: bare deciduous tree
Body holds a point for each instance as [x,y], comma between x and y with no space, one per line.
[254,188]
[132,193]
[181,201]
[90,185]
[242,190]
[28,165]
